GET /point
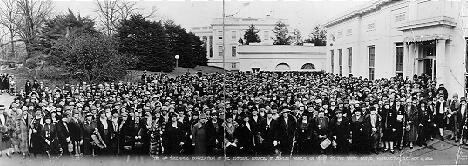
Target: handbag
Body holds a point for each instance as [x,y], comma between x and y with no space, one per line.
[70,147]
[325,143]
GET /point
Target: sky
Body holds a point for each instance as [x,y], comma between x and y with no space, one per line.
[300,14]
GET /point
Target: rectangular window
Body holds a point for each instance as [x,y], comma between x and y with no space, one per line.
[400,17]
[399,57]
[371,26]
[234,65]
[371,73]
[234,35]
[339,34]
[266,35]
[332,53]
[220,49]
[371,62]
[210,41]
[349,32]
[340,60]
[220,35]
[234,51]
[350,59]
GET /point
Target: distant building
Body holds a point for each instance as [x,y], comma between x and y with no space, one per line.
[281,58]
[234,30]
[400,37]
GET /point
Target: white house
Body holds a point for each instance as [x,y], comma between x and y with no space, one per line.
[399,37]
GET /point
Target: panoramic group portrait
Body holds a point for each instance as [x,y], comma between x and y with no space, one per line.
[227,82]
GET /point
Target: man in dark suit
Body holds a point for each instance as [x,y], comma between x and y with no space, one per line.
[285,131]
[63,134]
[373,129]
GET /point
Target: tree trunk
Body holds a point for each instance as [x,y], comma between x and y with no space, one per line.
[12,44]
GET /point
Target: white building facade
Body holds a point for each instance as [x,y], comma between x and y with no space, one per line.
[281,58]
[399,37]
[234,30]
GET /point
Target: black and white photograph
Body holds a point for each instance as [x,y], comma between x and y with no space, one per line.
[233,82]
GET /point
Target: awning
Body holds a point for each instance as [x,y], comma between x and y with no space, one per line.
[422,38]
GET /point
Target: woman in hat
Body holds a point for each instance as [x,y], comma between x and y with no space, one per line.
[173,136]
[340,128]
[400,117]
[304,135]
[322,131]
[35,130]
[440,115]
[104,127]
[425,119]
[230,141]
[6,130]
[126,131]
[200,136]
[357,131]
[412,122]
[462,120]
[215,131]
[154,132]
[49,133]
[245,135]
[89,127]
[267,129]
[286,131]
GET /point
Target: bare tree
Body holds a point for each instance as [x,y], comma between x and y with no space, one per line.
[111,12]
[33,13]
[8,19]
[108,14]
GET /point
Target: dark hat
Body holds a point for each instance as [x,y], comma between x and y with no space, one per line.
[228,115]
[114,111]
[2,107]
[172,114]
[245,115]
[47,116]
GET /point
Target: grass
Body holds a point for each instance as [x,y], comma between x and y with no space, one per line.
[23,74]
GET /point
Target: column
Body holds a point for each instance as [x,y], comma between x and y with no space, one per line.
[207,44]
[345,62]
[406,71]
[413,53]
[441,64]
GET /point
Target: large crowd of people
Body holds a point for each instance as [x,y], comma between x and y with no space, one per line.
[233,114]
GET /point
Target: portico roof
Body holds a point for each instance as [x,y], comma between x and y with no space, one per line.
[422,38]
